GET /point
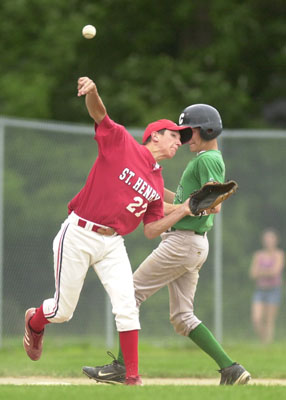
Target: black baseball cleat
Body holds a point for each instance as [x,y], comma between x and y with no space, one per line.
[234,375]
[109,373]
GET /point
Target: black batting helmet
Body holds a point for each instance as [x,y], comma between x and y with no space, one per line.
[202,116]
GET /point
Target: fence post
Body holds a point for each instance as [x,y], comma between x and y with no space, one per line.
[109,323]
[218,266]
[218,286]
[2,133]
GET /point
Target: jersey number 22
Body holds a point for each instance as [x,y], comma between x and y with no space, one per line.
[133,207]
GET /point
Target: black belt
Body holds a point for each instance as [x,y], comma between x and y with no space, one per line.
[195,232]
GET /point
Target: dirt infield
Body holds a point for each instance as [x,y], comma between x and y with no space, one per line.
[45,380]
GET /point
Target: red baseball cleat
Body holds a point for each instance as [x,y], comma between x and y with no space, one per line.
[133,381]
[33,341]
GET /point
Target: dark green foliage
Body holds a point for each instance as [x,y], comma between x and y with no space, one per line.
[149,59]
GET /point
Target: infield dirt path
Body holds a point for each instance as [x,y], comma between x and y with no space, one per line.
[46,380]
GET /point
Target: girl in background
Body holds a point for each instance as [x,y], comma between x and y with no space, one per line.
[266,271]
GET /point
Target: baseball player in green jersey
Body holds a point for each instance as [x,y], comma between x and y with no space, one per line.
[177,260]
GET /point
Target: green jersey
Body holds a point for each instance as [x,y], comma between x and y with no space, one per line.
[207,166]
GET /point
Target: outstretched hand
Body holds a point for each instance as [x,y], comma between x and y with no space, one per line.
[85,85]
[94,104]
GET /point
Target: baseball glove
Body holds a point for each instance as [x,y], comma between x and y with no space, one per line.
[210,195]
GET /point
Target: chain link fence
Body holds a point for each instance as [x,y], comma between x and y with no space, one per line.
[43,165]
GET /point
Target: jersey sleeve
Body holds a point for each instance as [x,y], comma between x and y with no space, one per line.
[210,169]
[109,135]
[155,211]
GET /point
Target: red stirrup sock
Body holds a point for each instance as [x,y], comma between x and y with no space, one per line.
[129,347]
[38,321]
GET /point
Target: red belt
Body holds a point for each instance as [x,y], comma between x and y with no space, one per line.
[95,228]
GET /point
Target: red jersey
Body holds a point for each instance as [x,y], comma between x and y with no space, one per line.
[125,184]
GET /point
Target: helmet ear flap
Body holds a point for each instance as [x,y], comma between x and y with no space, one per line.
[186,135]
[208,134]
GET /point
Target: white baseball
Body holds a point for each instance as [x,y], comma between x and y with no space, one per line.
[88,31]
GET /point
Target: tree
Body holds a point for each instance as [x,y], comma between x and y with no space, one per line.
[149,59]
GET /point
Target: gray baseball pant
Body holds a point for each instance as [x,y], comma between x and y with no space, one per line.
[175,262]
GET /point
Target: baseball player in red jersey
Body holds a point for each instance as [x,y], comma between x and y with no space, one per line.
[123,188]
[178,259]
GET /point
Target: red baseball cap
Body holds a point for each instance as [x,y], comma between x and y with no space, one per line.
[170,125]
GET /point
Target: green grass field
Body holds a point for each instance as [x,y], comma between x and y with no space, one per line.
[140,393]
[65,357]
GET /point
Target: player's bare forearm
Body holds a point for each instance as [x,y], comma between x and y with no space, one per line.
[154,229]
[169,208]
[168,196]
[96,109]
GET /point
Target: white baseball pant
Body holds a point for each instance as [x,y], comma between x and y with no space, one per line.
[75,250]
